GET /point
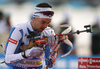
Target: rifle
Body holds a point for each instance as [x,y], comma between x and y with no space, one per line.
[38,41]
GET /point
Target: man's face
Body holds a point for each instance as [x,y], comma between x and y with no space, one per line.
[40,23]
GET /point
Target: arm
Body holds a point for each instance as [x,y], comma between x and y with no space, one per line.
[12,46]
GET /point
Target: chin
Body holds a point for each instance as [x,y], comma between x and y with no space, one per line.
[40,30]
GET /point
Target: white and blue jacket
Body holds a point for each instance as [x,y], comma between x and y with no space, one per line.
[13,57]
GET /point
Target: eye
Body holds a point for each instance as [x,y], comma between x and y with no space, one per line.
[43,22]
[48,22]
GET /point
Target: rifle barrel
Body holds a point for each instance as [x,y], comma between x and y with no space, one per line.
[78,32]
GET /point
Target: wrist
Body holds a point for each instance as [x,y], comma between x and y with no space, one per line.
[23,54]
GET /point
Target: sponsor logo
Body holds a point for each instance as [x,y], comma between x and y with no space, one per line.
[91,63]
[40,41]
[31,62]
[12,41]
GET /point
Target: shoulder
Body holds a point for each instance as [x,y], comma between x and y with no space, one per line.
[20,26]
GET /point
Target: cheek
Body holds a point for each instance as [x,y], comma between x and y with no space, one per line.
[38,26]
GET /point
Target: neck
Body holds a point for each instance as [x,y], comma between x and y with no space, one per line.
[32,22]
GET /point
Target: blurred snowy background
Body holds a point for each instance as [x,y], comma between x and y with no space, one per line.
[76,13]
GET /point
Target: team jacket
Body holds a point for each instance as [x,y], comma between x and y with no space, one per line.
[13,57]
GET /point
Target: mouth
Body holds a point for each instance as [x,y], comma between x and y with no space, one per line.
[41,29]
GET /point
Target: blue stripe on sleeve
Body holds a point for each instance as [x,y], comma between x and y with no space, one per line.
[16,51]
[8,38]
[28,30]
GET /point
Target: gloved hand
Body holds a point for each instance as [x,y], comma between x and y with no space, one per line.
[34,52]
[53,41]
